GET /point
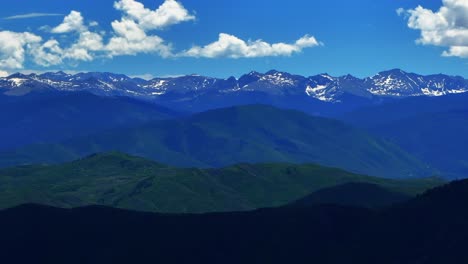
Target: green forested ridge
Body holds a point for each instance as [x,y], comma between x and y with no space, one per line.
[123,181]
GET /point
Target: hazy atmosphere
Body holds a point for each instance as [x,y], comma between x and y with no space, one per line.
[200,131]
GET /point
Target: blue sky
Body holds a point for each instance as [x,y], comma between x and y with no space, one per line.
[358,37]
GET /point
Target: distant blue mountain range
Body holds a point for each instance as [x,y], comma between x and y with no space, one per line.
[199,93]
[425,116]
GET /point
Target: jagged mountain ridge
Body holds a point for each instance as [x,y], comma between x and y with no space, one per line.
[323,87]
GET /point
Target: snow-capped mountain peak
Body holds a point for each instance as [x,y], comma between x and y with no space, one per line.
[399,83]
[323,87]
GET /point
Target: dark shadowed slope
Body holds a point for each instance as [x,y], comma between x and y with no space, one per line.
[429,229]
[255,133]
[357,194]
[119,180]
[40,234]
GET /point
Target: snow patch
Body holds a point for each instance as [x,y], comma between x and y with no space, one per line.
[17,82]
[319,92]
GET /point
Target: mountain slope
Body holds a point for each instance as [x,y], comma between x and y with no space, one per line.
[385,113]
[323,87]
[52,117]
[319,94]
[255,133]
[119,180]
[438,138]
[353,194]
[403,84]
[105,235]
[428,229]
[432,129]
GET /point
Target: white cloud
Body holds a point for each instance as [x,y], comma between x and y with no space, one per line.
[400,11]
[86,47]
[169,13]
[31,15]
[47,54]
[130,39]
[456,51]
[39,71]
[13,47]
[446,27]
[146,76]
[128,29]
[233,47]
[73,22]
[4,74]
[132,34]
[87,44]
[307,42]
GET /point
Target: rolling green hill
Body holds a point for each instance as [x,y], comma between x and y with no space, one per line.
[124,181]
[253,134]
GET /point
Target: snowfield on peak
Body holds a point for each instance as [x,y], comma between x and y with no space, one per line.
[323,87]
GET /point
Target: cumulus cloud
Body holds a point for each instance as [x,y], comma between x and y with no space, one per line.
[169,13]
[47,54]
[13,47]
[130,39]
[4,74]
[233,47]
[78,39]
[83,49]
[446,27]
[73,22]
[456,51]
[129,36]
[131,32]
